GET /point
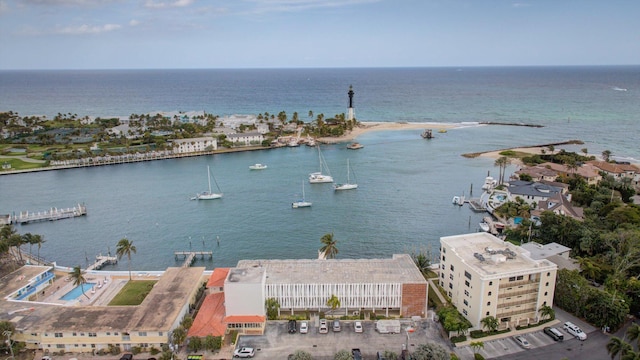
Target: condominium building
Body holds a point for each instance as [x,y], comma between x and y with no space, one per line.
[485,276]
[194,145]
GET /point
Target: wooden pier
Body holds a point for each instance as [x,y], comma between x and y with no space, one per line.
[190,256]
[102,261]
[49,215]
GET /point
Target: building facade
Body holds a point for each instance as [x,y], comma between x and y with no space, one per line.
[194,145]
[485,276]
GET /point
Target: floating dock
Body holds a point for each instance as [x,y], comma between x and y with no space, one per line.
[190,256]
[49,215]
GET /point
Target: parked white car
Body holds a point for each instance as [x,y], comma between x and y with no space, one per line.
[522,341]
[304,327]
[357,326]
[575,331]
[244,352]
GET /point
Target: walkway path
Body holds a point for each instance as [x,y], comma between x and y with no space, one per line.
[23,158]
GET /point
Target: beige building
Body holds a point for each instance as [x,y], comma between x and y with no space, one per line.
[31,299]
[485,276]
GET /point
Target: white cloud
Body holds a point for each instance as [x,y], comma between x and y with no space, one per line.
[167,4]
[87,29]
[263,6]
[134,22]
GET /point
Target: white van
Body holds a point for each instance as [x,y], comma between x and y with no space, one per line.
[575,331]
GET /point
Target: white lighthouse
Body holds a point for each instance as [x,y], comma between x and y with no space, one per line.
[350,112]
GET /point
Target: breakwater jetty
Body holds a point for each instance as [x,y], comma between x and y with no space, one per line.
[25,217]
[568,142]
[510,124]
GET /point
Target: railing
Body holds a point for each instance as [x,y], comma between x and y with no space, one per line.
[506,294]
[514,303]
[517,283]
[500,315]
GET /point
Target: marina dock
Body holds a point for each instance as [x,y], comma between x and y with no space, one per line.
[101,261]
[49,215]
[190,256]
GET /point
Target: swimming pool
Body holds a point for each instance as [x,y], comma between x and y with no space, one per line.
[77,291]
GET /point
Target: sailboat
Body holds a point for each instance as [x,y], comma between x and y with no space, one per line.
[318,177]
[208,195]
[348,185]
[301,203]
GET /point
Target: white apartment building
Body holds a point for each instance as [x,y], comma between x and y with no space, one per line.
[245,139]
[194,145]
[485,276]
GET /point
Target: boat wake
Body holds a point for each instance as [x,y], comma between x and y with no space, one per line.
[618,88]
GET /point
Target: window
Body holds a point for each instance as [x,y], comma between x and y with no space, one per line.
[442,282]
[488,303]
[74,334]
[487,313]
[442,275]
[58,335]
[490,283]
[467,275]
[444,250]
[442,266]
[466,293]
[451,267]
[108,333]
[443,258]
[513,278]
[450,286]
[548,274]
[489,294]
[450,276]
[92,334]
[547,284]
[466,302]
[93,346]
[75,345]
[545,293]
[464,311]
[60,346]
[520,277]
[159,333]
[467,283]
[449,293]
[142,333]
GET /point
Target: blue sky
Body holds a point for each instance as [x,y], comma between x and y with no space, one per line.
[124,34]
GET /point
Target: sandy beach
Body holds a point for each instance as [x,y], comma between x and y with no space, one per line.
[365,127]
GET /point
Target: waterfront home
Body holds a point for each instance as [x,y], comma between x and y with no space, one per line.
[550,171]
[531,192]
[559,205]
[194,145]
[246,139]
[619,171]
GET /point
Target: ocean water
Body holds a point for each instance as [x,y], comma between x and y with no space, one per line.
[406,183]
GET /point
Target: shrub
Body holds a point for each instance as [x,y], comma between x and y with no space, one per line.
[458,338]
[477,356]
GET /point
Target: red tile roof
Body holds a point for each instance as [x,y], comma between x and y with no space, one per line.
[209,320]
[217,277]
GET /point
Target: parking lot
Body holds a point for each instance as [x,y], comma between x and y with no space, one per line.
[537,338]
[277,343]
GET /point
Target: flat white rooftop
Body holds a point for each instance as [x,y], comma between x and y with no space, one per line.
[398,269]
[490,256]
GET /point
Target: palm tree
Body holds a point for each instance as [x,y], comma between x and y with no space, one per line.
[617,346]
[77,275]
[633,332]
[490,322]
[125,247]
[546,311]
[502,162]
[606,155]
[476,346]
[329,248]
[333,302]
[631,355]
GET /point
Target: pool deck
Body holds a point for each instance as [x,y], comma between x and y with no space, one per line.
[99,296]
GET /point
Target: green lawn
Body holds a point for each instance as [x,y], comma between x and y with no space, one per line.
[133,293]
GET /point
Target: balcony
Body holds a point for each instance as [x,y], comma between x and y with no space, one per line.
[500,315]
[511,293]
[512,284]
[519,302]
